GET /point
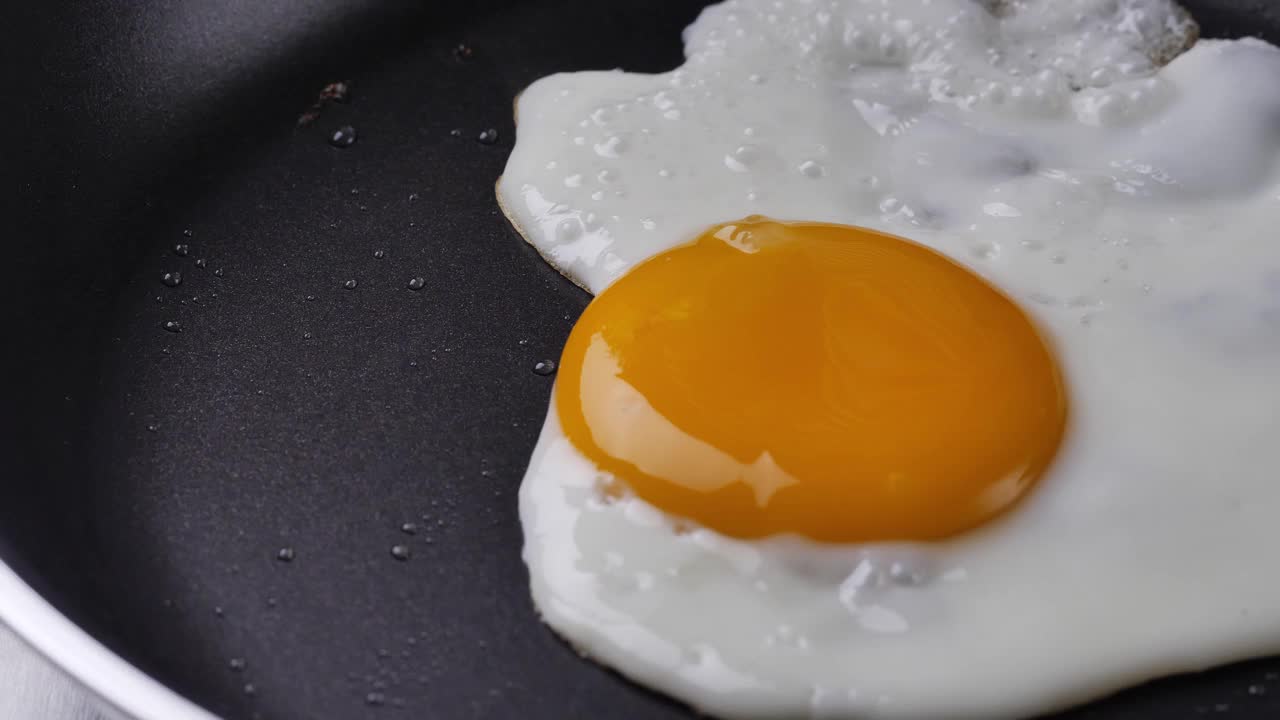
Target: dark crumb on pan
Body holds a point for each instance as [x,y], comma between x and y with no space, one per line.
[339,92]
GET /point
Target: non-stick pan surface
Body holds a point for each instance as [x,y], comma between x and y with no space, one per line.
[219,505]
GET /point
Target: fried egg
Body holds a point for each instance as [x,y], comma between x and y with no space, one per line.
[935,359]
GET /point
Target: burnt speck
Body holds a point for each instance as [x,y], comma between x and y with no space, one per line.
[182,249]
[488,136]
[202,263]
[417,284]
[339,92]
[544,367]
[400,552]
[286,554]
[463,52]
[343,137]
[350,284]
[171,279]
[172,326]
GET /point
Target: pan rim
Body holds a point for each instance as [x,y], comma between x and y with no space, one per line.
[100,672]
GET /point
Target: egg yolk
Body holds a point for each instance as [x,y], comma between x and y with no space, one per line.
[823,380]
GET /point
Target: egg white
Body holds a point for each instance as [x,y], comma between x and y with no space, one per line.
[1130,207]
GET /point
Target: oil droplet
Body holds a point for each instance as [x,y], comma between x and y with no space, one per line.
[171,279]
[286,554]
[488,136]
[417,283]
[544,367]
[173,326]
[409,528]
[343,137]
[349,285]
[400,552]
[237,664]
[379,254]
[202,263]
[182,249]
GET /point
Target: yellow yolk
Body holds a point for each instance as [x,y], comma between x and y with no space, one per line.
[823,380]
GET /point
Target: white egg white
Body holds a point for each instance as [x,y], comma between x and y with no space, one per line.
[1129,205]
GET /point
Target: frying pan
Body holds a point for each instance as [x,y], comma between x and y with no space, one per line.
[218,506]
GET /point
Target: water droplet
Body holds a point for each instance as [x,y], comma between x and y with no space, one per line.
[237,664]
[544,367]
[286,554]
[409,528]
[343,137]
[379,254]
[417,283]
[375,699]
[400,552]
[349,285]
[202,263]
[488,136]
[173,326]
[182,249]
[171,279]
[218,272]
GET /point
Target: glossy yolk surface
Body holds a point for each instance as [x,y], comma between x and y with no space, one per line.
[823,380]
